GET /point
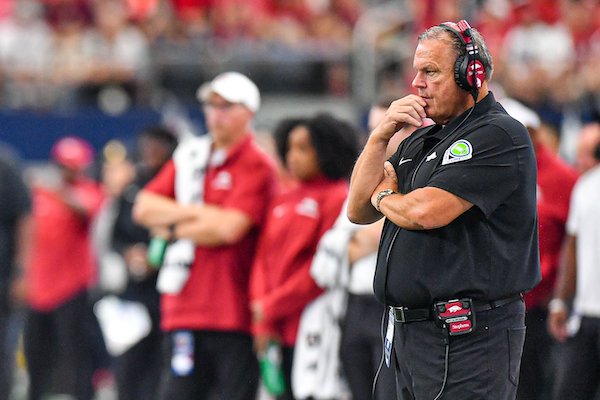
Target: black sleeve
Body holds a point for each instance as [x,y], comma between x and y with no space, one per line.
[482,167]
[395,158]
[125,231]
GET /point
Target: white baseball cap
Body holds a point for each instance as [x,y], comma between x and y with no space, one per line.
[233,87]
[521,112]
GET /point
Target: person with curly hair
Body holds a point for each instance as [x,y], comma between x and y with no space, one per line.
[319,153]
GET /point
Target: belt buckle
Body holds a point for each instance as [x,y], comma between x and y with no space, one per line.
[399,314]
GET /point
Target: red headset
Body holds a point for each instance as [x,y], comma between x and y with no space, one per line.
[469,72]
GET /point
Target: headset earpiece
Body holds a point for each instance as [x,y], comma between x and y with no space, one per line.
[469,72]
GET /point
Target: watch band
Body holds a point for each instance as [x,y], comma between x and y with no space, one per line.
[557,304]
[382,195]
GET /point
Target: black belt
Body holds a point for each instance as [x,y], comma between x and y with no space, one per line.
[405,315]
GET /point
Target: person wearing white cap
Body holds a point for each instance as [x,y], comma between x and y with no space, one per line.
[210,202]
[555,181]
[234,87]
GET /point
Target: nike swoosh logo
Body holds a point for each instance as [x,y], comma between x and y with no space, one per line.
[403,160]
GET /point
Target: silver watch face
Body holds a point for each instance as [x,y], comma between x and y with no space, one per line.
[382,194]
[385,192]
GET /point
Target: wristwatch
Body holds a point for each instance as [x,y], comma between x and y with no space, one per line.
[557,304]
[382,195]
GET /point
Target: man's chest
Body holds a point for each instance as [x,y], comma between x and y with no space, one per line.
[416,163]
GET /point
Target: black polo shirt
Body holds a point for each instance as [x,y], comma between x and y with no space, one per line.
[491,251]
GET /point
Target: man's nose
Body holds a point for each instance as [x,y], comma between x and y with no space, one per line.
[418,81]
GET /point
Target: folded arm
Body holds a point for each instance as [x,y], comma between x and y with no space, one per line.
[206,225]
[401,119]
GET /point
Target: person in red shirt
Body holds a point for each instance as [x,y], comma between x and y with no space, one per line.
[555,182]
[319,153]
[60,269]
[210,200]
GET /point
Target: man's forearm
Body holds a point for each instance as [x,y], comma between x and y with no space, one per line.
[215,226]
[153,210]
[567,273]
[367,174]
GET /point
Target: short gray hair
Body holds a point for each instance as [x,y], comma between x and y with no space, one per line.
[440,33]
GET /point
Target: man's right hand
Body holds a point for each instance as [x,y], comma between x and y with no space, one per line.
[407,111]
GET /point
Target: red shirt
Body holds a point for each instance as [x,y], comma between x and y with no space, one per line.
[62,262]
[555,183]
[281,274]
[215,297]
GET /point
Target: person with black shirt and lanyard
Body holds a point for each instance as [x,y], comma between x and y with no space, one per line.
[459,244]
[138,369]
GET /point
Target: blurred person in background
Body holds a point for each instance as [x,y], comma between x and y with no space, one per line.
[539,57]
[25,55]
[555,181]
[15,232]
[69,64]
[574,312]
[137,369]
[118,55]
[60,269]
[493,21]
[318,153]
[582,19]
[210,201]
[587,143]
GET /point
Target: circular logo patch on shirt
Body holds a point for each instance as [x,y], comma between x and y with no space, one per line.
[460,148]
[458,151]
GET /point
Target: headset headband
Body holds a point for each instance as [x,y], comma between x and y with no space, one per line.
[469,71]
[462,30]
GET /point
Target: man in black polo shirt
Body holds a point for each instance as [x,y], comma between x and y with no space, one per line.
[459,244]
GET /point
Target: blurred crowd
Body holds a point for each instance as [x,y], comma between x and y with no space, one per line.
[67,53]
[56,54]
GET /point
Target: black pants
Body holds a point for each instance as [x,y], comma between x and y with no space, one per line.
[538,361]
[361,349]
[483,364]
[287,355]
[6,356]
[59,350]
[138,370]
[578,373]
[205,364]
